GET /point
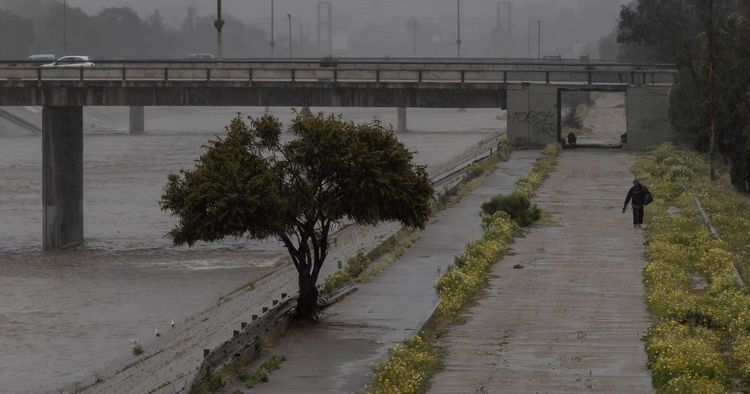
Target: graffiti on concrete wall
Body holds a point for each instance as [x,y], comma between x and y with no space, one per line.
[542,122]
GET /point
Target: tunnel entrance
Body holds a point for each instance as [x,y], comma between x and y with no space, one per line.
[592,118]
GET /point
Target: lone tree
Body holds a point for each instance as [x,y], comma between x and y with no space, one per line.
[250,183]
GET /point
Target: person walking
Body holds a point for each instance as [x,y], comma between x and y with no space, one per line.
[640,197]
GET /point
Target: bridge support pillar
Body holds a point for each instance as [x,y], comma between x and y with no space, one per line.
[137,120]
[401,128]
[532,115]
[62,173]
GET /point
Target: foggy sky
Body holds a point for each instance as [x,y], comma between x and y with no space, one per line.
[567,25]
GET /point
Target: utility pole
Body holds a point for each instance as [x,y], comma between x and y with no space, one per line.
[290,35]
[273,43]
[458,28]
[539,43]
[65,27]
[219,24]
[325,27]
[412,25]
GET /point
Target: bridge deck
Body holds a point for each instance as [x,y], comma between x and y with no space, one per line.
[385,84]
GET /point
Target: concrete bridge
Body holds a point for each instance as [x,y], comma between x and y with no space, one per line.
[531,91]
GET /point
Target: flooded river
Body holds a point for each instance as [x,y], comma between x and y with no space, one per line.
[64,315]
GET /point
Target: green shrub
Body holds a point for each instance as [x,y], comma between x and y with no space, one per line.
[355,266]
[137,350]
[518,206]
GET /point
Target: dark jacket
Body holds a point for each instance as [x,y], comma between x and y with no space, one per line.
[637,194]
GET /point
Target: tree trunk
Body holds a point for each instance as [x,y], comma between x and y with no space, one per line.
[739,171]
[307,304]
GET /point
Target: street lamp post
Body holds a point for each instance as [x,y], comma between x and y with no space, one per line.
[273,43]
[65,27]
[290,34]
[458,28]
[539,43]
[219,24]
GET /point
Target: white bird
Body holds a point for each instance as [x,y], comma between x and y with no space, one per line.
[156,332]
[172,323]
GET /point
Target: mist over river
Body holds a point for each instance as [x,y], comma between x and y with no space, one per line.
[64,315]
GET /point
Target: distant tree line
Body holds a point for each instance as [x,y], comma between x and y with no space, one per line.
[36,26]
[709,41]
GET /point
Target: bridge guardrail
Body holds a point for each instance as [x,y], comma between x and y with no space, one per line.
[325,74]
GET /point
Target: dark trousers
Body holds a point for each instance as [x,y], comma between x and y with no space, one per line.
[637,214]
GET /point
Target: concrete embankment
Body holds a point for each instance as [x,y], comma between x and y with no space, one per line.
[176,356]
[571,319]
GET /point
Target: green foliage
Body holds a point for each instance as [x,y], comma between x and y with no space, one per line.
[527,185]
[137,350]
[407,369]
[460,285]
[504,147]
[518,206]
[355,266]
[261,375]
[249,183]
[210,384]
[700,340]
[710,43]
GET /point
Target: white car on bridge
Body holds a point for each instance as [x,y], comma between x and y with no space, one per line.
[71,61]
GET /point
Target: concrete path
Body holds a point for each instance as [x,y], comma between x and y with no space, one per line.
[606,120]
[338,355]
[572,319]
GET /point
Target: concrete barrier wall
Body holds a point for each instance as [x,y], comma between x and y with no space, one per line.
[648,117]
[532,114]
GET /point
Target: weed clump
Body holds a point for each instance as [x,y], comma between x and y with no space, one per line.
[518,206]
[261,375]
[137,350]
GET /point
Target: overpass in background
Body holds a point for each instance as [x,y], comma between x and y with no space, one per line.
[530,90]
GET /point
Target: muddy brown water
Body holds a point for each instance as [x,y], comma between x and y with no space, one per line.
[65,314]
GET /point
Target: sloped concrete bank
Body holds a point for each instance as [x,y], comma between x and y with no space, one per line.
[173,359]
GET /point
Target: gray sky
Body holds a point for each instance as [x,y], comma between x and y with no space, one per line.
[567,24]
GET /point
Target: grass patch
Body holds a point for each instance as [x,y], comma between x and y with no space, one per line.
[261,374]
[700,341]
[410,366]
